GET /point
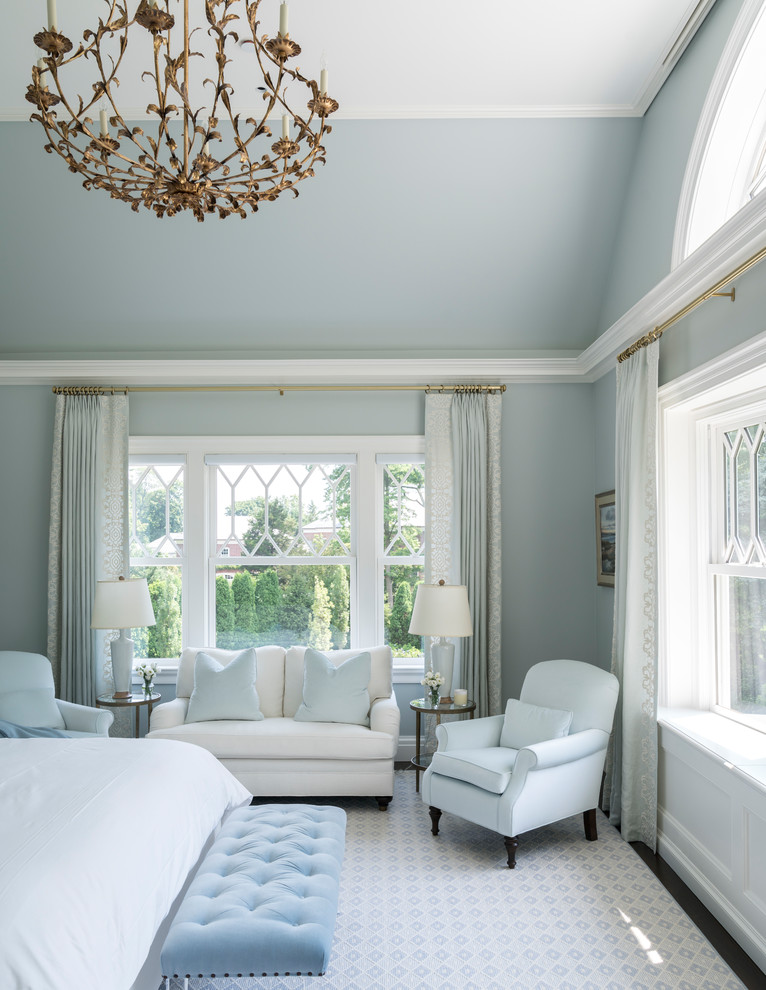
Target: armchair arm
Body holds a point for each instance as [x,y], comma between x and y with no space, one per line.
[473,733]
[385,716]
[82,718]
[169,714]
[566,749]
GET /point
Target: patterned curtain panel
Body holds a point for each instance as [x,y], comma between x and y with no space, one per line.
[88,535]
[463,528]
[630,788]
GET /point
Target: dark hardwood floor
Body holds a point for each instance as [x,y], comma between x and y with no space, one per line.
[739,961]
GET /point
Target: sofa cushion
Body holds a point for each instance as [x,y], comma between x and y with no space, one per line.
[269,674]
[335,694]
[526,725]
[380,685]
[490,767]
[284,739]
[33,707]
[224,691]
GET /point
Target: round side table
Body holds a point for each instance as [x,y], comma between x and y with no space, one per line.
[422,707]
[134,701]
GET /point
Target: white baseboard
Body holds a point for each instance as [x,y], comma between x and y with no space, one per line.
[406,749]
[749,938]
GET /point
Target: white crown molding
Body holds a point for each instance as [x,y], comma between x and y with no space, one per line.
[688,26]
[289,371]
[424,112]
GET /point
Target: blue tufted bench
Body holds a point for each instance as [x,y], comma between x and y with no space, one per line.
[263,901]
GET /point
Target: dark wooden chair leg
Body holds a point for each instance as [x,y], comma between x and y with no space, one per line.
[435,814]
[383,802]
[589,821]
[511,845]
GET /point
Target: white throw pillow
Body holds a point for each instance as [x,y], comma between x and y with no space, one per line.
[224,691]
[335,694]
[35,708]
[526,724]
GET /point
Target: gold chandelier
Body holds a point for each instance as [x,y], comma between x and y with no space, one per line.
[185,165]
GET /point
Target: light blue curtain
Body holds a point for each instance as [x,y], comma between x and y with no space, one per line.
[88,534]
[463,528]
[630,787]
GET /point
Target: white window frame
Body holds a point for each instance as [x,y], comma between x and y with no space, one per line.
[366,600]
[691,410]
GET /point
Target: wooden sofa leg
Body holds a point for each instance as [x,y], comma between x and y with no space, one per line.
[435,814]
[589,821]
[383,802]
[511,845]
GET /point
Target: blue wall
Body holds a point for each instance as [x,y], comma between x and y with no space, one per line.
[427,236]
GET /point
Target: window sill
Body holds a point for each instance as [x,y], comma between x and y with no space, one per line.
[737,746]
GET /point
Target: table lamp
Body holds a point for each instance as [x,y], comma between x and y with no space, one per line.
[442,610]
[122,605]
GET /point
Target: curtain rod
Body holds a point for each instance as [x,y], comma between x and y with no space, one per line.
[124,389]
[714,290]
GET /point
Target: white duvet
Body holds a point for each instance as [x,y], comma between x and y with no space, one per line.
[97,837]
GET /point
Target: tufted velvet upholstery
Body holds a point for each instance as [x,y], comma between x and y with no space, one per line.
[264,900]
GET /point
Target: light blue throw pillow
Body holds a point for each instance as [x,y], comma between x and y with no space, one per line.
[335,694]
[526,725]
[224,692]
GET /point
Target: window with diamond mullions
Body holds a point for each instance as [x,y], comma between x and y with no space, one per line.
[738,568]
[284,556]
[157,552]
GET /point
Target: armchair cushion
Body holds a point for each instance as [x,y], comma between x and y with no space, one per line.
[30,706]
[335,694]
[527,724]
[489,768]
[224,691]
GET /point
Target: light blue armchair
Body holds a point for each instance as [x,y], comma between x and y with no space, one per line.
[539,763]
[27,698]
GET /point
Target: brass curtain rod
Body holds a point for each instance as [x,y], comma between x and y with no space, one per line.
[714,290]
[124,389]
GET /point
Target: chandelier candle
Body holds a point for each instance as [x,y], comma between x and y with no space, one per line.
[166,165]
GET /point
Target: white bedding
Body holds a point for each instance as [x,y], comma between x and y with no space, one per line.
[96,839]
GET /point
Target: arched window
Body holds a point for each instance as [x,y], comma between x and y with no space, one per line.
[727,164]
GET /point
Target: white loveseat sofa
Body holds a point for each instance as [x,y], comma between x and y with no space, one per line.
[279,756]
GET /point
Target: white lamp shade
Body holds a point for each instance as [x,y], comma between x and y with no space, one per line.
[122,605]
[441,610]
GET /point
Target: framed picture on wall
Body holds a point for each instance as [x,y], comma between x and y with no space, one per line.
[605,538]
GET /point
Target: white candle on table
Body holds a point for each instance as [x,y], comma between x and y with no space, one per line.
[323,82]
[461,696]
[52,19]
[104,124]
[282,19]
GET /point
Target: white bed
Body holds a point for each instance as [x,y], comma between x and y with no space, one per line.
[97,839]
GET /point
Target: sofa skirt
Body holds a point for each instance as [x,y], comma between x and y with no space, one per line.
[314,778]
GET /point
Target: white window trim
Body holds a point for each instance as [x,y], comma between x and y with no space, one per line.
[198,609]
[688,408]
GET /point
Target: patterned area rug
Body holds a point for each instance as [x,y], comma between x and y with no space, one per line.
[445,913]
